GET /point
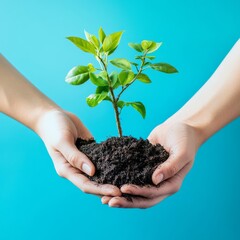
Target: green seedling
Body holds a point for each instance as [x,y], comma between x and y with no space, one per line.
[111,86]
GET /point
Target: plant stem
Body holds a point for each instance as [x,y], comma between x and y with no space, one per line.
[114,100]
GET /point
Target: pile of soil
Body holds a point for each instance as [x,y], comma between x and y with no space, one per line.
[121,160]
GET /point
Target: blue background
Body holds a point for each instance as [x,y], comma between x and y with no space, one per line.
[34,202]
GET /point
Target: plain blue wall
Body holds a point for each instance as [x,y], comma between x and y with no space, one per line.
[34,202]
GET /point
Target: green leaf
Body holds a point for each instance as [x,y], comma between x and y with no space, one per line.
[164,67]
[121,104]
[94,99]
[77,75]
[150,57]
[122,63]
[154,47]
[139,107]
[111,42]
[83,44]
[146,44]
[113,78]
[98,80]
[117,84]
[143,78]
[92,39]
[107,98]
[135,64]
[91,68]
[103,74]
[101,35]
[146,63]
[136,46]
[139,57]
[101,89]
[125,77]
[136,105]
[150,46]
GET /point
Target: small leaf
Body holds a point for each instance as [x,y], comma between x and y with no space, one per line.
[135,64]
[125,77]
[101,35]
[121,63]
[150,57]
[113,78]
[110,52]
[154,47]
[107,98]
[83,44]
[97,80]
[143,78]
[101,89]
[91,68]
[77,75]
[103,74]
[139,57]
[139,107]
[92,39]
[146,44]
[117,84]
[136,46]
[164,67]
[94,99]
[121,104]
[150,46]
[111,42]
[136,105]
[146,63]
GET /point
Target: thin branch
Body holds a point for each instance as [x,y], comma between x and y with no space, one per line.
[134,79]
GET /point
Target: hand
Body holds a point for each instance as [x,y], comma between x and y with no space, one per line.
[59,130]
[181,141]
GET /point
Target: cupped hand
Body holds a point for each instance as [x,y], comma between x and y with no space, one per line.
[59,131]
[181,141]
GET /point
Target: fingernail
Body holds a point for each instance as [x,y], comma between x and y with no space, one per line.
[116,206]
[159,178]
[86,169]
[128,191]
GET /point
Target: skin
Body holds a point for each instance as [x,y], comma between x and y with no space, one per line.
[57,128]
[216,104]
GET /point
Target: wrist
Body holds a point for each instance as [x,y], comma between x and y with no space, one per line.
[40,116]
[199,126]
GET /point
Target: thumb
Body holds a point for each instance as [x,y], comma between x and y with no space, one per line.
[77,159]
[169,168]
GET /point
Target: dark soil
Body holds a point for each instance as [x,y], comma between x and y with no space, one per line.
[123,160]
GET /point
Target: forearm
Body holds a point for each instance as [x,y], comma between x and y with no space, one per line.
[218,101]
[19,98]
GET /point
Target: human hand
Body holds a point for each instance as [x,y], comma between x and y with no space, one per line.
[59,130]
[181,141]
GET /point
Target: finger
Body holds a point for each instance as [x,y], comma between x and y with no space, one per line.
[105,199]
[136,202]
[64,169]
[151,191]
[170,167]
[168,187]
[76,158]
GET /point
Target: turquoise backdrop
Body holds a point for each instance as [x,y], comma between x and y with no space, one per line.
[37,204]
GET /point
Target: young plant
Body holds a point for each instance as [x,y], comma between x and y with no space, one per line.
[107,84]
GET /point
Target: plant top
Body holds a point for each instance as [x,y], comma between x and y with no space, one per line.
[111,86]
